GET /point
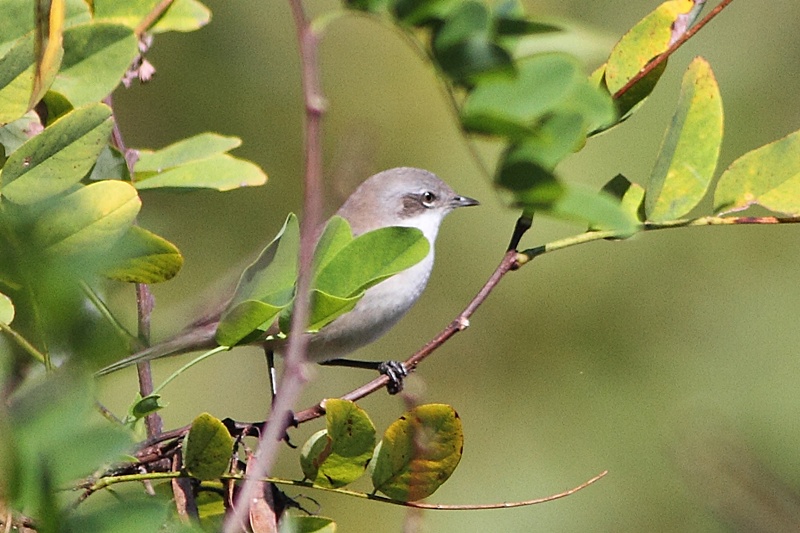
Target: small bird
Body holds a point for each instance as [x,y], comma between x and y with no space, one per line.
[403,196]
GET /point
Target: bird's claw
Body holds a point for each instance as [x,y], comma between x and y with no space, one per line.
[396,372]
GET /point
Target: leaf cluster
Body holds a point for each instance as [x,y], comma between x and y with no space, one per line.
[70,193]
[418,452]
[343,268]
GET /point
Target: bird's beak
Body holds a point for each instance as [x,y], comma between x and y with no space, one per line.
[463,201]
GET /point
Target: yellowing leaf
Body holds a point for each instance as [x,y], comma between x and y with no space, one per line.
[195,163]
[338,455]
[768,176]
[6,309]
[207,449]
[90,219]
[49,50]
[17,72]
[690,149]
[418,453]
[647,39]
[143,257]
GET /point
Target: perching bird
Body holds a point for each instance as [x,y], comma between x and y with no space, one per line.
[404,196]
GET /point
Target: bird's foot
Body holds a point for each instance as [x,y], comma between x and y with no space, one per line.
[396,372]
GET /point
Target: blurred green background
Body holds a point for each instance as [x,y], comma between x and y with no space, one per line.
[671,359]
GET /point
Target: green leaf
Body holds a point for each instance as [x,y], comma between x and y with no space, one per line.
[275,269]
[518,26]
[525,171]
[15,134]
[475,58]
[647,39]
[110,165]
[690,149]
[182,15]
[17,71]
[336,235]
[265,288]
[306,524]
[464,44]
[420,12]
[768,176]
[58,158]
[207,449]
[371,6]
[132,513]
[325,308]
[651,37]
[145,406]
[513,107]
[57,433]
[221,172]
[6,309]
[143,257]
[344,270]
[418,453]
[57,106]
[18,19]
[91,219]
[314,452]
[195,148]
[198,162]
[96,56]
[371,258]
[630,195]
[245,318]
[631,100]
[596,209]
[339,455]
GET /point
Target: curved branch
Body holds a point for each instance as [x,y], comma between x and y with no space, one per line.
[669,51]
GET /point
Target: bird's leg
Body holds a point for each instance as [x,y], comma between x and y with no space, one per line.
[273,389]
[273,375]
[394,370]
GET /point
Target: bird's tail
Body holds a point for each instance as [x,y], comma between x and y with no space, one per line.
[198,336]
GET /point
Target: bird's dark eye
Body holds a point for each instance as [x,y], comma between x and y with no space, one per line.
[428,198]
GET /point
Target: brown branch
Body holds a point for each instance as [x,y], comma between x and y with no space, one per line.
[144,298]
[185,502]
[151,449]
[152,17]
[669,51]
[460,323]
[294,376]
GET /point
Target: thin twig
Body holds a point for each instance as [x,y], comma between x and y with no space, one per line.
[152,17]
[294,376]
[24,344]
[513,260]
[460,323]
[669,51]
[153,476]
[144,298]
[510,261]
[122,332]
[590,236]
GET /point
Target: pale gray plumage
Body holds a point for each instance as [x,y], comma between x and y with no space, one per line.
[402,196]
